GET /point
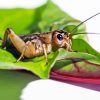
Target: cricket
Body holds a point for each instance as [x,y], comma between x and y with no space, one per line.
[36,44]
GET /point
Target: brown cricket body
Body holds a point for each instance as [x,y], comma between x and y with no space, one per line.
[33,45]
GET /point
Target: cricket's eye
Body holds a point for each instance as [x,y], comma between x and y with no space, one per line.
[60,37]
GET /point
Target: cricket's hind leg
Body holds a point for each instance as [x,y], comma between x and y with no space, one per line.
[8,45]
[14,44]
[25,49]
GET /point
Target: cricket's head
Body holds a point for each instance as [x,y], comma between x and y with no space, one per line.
[61,39]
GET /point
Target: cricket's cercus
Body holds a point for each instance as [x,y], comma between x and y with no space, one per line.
[33,45]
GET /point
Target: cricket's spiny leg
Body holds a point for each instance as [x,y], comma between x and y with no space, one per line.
[22,55]
[45,52]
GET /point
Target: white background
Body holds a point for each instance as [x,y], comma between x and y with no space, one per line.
[53,90]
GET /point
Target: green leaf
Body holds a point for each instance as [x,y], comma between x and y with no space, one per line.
[26,21]
[37,65]
[70,28]
[78,65]
[80,45]
[18,19]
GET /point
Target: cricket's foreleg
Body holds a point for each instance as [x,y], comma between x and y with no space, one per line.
[45,52]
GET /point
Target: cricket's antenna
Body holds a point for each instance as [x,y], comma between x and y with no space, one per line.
[85,33]
[85,21]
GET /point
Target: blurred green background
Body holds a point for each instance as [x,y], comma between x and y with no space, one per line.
[12,83]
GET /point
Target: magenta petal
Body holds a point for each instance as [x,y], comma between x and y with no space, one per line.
[65,78]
